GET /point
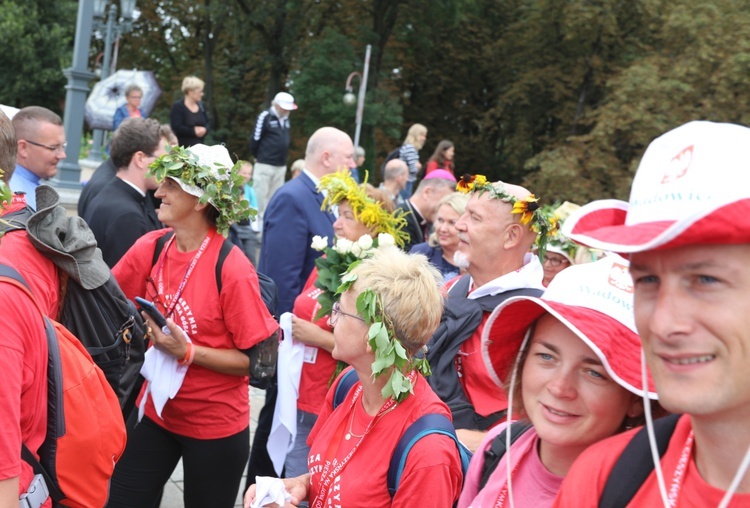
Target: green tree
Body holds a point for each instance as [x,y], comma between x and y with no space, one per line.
[37,42]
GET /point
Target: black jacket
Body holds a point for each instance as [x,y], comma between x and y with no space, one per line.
[269,143]
[119,216]
[183,123]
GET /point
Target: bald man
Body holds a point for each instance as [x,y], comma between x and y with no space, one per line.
[494,249]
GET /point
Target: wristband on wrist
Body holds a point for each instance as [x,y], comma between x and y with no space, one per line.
[189,355]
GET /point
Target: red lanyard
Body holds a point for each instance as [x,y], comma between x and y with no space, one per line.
[679,473]
[503,496]
[329,474]
[160,285]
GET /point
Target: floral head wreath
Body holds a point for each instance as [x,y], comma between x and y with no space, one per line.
[390,354]
[557,240]
[219,185]
[542,222]
[340,186]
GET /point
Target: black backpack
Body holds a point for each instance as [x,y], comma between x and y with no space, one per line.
[497,449]
[264,354]
[635,464]
[104,320]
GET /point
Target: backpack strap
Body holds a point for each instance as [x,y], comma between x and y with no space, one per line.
[9,275]
[345,385]
[494,454]
[432,423]
[226,248]
[159,246]
[14,221]
[635,464]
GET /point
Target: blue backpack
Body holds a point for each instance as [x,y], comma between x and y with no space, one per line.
[428,424]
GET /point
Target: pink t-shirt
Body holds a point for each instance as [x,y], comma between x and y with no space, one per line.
[531,482]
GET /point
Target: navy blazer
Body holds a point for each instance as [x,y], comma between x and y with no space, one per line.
[291,220]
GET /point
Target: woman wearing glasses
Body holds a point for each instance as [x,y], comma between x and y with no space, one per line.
[352,444]
[200,411]
[132,106]
[362,211]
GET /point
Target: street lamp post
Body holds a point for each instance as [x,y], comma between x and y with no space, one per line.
[349,96]
[79,76]
[113,30]
[69,172]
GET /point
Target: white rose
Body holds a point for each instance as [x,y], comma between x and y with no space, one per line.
[343,246]
[356,250]
[319,243]
[365,242]
[385,239]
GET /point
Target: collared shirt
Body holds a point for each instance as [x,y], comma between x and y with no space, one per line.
[530,275]
[143,194]
[25,181]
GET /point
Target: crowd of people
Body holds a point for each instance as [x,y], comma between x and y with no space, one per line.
[586,356]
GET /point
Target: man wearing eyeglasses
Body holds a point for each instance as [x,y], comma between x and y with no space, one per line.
[41,145]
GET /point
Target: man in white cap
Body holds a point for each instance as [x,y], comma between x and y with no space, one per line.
[687,231]
[269,144]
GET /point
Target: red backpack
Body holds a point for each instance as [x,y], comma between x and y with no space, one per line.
[85,429]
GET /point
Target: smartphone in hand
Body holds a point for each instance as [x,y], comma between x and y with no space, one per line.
[152,311]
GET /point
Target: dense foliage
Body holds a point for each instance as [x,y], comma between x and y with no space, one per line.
[561,96]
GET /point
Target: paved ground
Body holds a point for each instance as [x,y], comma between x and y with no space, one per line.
[173,491]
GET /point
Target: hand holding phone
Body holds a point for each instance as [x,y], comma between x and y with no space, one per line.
[153,312]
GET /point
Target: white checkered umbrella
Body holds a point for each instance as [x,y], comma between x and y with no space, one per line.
[109,94]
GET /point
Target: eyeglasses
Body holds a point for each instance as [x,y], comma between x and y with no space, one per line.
[53,148]
[135,97]
[555,261]
[336,310]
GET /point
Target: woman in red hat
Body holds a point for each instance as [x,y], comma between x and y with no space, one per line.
[572,358]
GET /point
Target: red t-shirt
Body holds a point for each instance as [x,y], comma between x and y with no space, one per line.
[481,390]
[23,383]
[432,473]
[209,405]
[585,481]
[318,365]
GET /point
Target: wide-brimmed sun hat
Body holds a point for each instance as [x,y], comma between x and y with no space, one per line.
[207,172]
[692,186]
[594,301]
[216,158]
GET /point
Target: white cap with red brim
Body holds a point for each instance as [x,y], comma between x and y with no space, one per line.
[692,187]
[594,301]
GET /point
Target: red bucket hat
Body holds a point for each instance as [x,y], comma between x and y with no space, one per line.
[594,301]
[692,186]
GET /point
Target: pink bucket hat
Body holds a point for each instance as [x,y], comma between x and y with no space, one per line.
[594,301]
[692,186]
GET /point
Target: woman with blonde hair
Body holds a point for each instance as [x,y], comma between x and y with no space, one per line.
[390,306]
[409,153]
[443,242]
[188,117]
[363,211]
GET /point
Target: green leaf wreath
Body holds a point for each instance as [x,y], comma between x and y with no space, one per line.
[390,355]
[222,187]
